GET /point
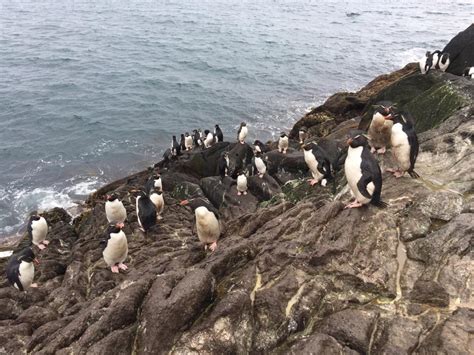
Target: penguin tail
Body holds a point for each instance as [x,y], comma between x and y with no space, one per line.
[413,174]
[379,204]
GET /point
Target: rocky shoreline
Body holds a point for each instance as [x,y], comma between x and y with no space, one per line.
[294,272]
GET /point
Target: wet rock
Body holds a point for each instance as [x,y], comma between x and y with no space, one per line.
[36,316]
[263,188]
[429,292]
[320,344]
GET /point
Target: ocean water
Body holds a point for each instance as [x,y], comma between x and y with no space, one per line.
[92,91]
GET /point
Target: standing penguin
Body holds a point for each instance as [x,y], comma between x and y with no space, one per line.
[241,183]
[146,211]
[197,138]
[175,147]
[20,269]
[207,227]
[115,247]
[218,133]
[318,163]
[380,129]
[37,231]
[302,134]
[188,141]
[154,183]
[157,198]
[242,132]
[258,146]
[223,164]
[182,143]
[283,143]
[209,140]
[363,173]
[114,210]
[426,63]
[404,144]
[259,165]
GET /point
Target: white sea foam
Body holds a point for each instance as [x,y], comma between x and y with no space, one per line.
[409,56]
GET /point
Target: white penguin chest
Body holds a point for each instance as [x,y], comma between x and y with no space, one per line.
[400,146]
[312,163]
[39,230]
[188,142]
[243,133]
[207,227]
[261,167]
[27,273]
[117,249]
[353,171]
[283,143]
[241,183]
[209,140]
[158,201]
[115,211]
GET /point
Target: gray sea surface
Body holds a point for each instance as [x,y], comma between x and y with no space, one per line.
[91,91]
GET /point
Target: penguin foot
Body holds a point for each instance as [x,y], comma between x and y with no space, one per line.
[390,170]
[373,150]
[284,151]
[158,217]
[34,285]
[122,266]
[241,142]
[239,193]
[354,204]
[41,246]
[324,182]
[313,182]
[260,176]
[245,192]
[114,269]
[45,242]
[381,150]
[213,246]
[398,174]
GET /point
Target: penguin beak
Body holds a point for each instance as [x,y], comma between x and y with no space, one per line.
[389,116]
[184,202]
[349,141]
[36,261]
[120,225]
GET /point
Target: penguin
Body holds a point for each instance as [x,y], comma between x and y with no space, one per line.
[443,62]
[37,231]
[175,147]
[157,198]
[209,140]
[223,165]
[182,144]
[362,172]
[21,270]
[435,59]
[241,183]
[318,163]
[242,132]
[380,129]
[218,133]
[259,165]
[258,146]
[283,143]
[207,227]
[468,72]
[197,138]
[404,144]
[154,183]
[114,210]
[115,247]
[426,63]
[146,211]
[188,141]
[302,134]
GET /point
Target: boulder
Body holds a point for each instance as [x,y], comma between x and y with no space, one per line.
[461,51]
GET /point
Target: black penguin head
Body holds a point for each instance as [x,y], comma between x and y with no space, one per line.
[428,54]
[282,134]
[186,134]
[115,228]
[206,132]
[303,129]
[216,126]
[112,197]
[308,146]
[141,193]
[357,138]
[182,135]
[174,138]
[27,255]
[243,124]
[34,218]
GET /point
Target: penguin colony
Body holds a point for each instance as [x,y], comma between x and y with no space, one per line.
[389,128]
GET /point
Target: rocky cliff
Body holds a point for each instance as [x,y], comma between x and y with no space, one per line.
[293,272]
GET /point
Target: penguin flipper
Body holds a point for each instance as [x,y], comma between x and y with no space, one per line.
[13,275]
[362,185]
